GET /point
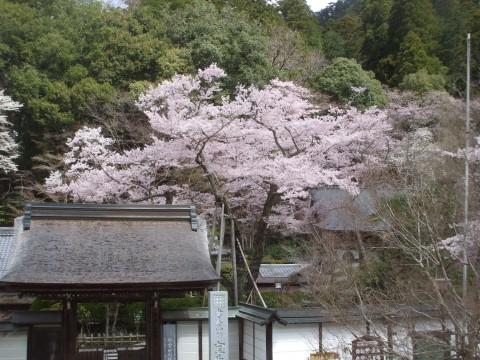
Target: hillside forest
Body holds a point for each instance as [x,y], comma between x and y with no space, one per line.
[247,105]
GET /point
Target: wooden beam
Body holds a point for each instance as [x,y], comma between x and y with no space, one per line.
[200,340]
[241,337]
[153,328]
[269,341]
[69,329]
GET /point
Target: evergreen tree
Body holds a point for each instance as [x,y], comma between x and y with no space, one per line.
[374,15]
[299,17]
[413,27]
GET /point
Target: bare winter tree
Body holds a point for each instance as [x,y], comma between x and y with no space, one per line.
[415,263]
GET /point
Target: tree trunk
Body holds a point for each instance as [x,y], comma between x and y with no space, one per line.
[261,230]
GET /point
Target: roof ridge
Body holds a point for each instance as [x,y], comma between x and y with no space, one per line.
[74,211]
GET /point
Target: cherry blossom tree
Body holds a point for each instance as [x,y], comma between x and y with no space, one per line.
[257,153]
[8,147]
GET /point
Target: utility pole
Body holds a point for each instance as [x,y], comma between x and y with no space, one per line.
[467,146]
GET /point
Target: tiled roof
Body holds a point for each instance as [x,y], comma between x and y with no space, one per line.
[287,316]
[258,315]
[338,210]
[269,272]
[6,243]
[103,246]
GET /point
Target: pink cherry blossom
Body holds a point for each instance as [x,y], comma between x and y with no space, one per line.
[261,142]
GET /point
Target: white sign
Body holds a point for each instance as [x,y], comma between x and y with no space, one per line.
[218,324]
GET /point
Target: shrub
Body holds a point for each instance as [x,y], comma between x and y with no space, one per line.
[347,82]
[421,82]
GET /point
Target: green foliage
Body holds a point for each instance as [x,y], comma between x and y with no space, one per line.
[348,29]
[299,17]
[271,298]
[190,300]
[339,79]
[372,274]
[413,29]
[413,57]
[257,10]
[127,48]
[422,82]
[227,271]
[333,45]
[42,305]
[374,17]
[281,250]
[207,35]
[412,15]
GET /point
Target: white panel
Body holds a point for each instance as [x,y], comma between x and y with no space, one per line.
[338,337]
[205,341]
[13,346]
[248,340]
[260,342]
[233,340]
[233,337]
[187,340]
[218,324]
[294,342]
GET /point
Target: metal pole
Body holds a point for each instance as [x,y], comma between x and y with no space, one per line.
[467,145]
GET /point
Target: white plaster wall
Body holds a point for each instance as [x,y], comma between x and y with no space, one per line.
[294,342]
[260,342]
[338,338]
[248,327]
[402,341]
[13,346]
[233,341]
[187,340]
[254,341]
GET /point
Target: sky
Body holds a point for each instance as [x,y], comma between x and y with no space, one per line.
[317,5]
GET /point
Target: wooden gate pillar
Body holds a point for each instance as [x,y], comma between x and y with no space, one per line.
[153,329]
[69,330]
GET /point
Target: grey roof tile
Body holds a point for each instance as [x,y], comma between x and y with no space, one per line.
[90,251]
[279,271]
[6,244]
[338,210]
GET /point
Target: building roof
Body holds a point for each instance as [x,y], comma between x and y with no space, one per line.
[287,316]
[258,315]
[79,247]
[269,273]
[6,242]
[338,210]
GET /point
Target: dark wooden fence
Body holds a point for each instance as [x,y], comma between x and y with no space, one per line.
[126,353]
[114,347]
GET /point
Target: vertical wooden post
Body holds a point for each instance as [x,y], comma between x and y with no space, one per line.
[200,340]
[320,336]
[269,341]
[389,339]
[220,244]
[234,263]
[241,330]
[69,329]
[153,328]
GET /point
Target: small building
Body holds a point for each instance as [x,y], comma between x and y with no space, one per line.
[398,332]
[12,347]
[104,253]
[79,253]
[337,210]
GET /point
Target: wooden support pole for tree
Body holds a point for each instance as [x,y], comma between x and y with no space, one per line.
[250,274]
[220,244]
[234,263]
